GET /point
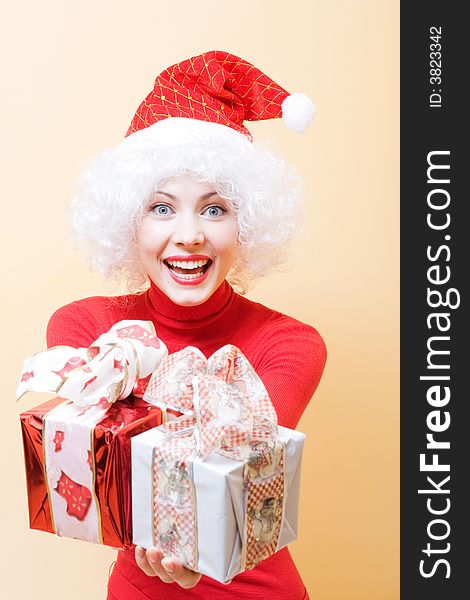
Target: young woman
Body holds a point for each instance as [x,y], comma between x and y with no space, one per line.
[189,208]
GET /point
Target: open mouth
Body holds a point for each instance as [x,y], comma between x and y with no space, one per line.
[188,269]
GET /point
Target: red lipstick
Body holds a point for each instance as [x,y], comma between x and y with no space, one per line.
[185,275]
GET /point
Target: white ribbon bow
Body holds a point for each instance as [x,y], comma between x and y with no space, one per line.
[117,364]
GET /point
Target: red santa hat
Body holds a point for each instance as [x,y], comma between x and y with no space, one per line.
[216,88]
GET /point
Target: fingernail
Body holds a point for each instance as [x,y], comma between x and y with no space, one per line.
[169,566]
[152,557]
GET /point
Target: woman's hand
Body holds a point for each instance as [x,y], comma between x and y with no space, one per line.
[153,563]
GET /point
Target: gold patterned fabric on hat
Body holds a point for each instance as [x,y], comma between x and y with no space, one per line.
[215,86]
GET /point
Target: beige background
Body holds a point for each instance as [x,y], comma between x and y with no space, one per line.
[74,73]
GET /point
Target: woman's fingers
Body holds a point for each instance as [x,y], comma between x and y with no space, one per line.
[181,575]
[150,563]
[154,558]
[169,569]
[142,562]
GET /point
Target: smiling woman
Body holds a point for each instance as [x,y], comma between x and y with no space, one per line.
[186,209]
[115,190]
[190,239]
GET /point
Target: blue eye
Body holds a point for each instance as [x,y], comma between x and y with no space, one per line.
[214,211]
[162,210]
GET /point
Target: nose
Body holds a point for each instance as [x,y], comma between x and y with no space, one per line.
[188,231]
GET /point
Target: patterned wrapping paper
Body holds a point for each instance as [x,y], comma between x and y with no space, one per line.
[77,446]
[217,489]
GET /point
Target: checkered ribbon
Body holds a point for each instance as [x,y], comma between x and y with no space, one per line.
[174,524]
[265,483]
[228,410]
[227,398]
[116,365]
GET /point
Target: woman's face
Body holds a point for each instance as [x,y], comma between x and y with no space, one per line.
[187,239]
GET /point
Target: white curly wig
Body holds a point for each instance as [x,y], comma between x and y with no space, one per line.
[113,191]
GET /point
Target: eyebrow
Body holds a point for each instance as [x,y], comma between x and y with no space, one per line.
[203,197]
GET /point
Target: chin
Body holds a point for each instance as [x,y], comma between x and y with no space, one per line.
[195,301]
[188,297]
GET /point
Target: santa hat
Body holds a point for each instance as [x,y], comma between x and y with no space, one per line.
[216,89]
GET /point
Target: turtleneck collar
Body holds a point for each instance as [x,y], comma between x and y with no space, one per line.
[174,316]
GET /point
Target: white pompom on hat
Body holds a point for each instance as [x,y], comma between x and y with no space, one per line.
[297,111]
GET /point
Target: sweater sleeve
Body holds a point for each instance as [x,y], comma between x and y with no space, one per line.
[291,365]
[72,325]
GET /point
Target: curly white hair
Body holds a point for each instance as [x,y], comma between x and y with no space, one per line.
[113,190]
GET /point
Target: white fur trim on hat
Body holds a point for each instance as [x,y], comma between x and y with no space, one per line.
[297,112]
[180,131]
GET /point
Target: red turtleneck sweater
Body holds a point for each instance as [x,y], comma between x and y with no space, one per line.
[288,355]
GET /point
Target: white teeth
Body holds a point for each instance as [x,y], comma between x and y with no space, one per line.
[188,264]
[188,275]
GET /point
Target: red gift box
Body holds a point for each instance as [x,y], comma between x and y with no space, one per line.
[108,501]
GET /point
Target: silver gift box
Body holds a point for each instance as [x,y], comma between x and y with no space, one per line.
[219,502]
